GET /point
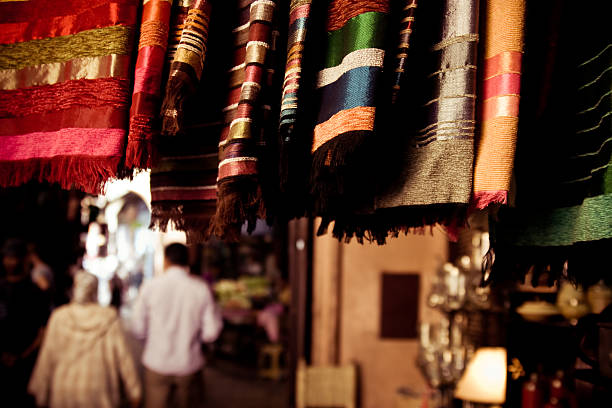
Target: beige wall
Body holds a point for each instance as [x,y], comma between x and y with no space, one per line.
[385,365]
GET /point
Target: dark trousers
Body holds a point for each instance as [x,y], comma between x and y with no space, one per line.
[181,391]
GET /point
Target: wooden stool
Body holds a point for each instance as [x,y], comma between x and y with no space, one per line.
[270,361]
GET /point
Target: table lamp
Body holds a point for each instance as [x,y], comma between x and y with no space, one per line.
[484,380]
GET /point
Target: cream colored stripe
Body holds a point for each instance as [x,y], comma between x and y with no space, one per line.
[361,58]
[240,28]
[236,159]
[113,65]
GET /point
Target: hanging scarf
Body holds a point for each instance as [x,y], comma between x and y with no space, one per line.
[183,179]
[187,65]
[435,172]
[144,119]
[239,187]
[347,86]
[64,90]
[499,100]
[299,17]
[299,106]
[420,173]
[562,223]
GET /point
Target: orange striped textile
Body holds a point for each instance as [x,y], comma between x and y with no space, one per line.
[499,103]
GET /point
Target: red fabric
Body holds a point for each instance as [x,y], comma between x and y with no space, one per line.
[64,129]
[156,10]
[57,20]
[144,112]
[503,62]
[83,172]
[505,84]
[63,142]
[38,100]
[300,12]
[105,117]
[482,199]
[149,69]
[238,168]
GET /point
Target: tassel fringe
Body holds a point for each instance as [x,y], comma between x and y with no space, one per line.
[139,153]
[82,173]
[240,201]
[195,223]
[178,91]
[483,199]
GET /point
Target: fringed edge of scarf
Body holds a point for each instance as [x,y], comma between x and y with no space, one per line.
[173,214]
[139,151]
[240,200]
[389,223]
[483,199]
[579,264]
[80,172]
[336,170]
[178,90]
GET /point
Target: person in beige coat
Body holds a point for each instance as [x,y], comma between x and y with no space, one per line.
[84,356]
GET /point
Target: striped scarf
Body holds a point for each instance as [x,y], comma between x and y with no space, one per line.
[187,65]
[239,182]
[144,118]
[562,222]
[409,176]
[499,100]
[347,87]
[184,181]
[64,90]
[183,178]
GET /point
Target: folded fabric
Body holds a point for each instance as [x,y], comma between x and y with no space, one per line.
[562,218]
[64,90]
[499,100]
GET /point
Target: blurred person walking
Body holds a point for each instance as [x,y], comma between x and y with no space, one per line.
[174,314]
[85,358]
[23,314]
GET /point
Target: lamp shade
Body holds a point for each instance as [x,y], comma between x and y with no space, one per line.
[484,380]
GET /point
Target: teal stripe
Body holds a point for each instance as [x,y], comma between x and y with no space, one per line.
[590,221]
[366,30]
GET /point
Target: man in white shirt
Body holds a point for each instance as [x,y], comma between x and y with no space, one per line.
[174,314]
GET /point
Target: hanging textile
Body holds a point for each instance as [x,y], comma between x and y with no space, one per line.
[435,174]
[499,100]
[348,86]
[562,223]
[299,104]
[144,112]
[417,173]
[239,189]
[186,68]
[183,178]
[64,90]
